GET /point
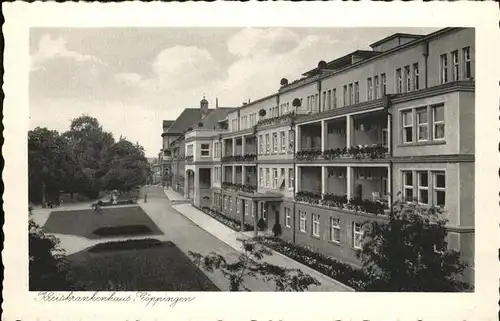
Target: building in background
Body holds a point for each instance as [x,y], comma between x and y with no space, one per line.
[337,146]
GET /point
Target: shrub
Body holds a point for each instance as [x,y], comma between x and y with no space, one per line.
[125,245]
[123,230]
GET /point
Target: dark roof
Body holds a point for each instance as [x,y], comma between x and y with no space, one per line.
[215,116]
[343,61]
[401,35]
[188,118]
[167,123]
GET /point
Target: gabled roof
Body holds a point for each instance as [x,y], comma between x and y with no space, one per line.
[188,118]
[215,116]
[343,61]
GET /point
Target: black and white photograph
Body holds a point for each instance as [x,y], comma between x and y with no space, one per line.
[252,159]
[259,161]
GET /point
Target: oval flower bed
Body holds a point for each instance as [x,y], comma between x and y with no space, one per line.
[342,272]
[226,220]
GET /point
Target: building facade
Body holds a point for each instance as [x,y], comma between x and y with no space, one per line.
[330,150]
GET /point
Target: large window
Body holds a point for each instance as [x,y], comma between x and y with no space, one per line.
[288,217]
[291,141]
[268,144]
[356,92]
[261,145]
[290,178]
[423,187]
[268,174]
[344,96]
[329,99]
[408,186]
[238,205]
[334,97]
[303,221]
[275,178]
[377,87]
[439,189]
[357,235]
[438,122]
[422,124]
[324,101]
[275,143]
[283,141]
[205,150]
[466,63]
[334,230]
[383,79]
[245,207]
[399,81]
[407,79]
[444,68]
[455,67]
[416,84]
[315,225]
[351,94]
[261,177]
[407,116]
[369,89]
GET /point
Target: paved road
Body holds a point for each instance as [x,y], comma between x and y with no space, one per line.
[190,237]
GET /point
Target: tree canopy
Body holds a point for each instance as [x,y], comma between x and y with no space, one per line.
[409,252]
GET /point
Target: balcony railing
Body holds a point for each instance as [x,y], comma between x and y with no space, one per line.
[357,152]
[239,158]
[247,188]
[341,202]
[278,120]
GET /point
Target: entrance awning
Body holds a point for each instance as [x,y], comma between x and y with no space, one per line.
[268,197]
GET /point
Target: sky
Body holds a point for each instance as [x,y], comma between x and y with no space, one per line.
[131,79]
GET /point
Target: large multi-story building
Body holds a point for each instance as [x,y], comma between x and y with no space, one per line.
[330,150]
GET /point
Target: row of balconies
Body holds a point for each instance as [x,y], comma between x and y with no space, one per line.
[239,158]
[357,152]
[247,188]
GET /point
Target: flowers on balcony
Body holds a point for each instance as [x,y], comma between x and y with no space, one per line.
[239,158]
[341,202]
[357,152]
[278,120]
[308,197]
[247,188]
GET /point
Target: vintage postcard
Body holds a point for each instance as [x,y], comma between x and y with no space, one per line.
[325,161]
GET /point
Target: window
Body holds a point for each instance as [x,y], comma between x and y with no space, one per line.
[245,207]
[275,143]
[454,69]
[438,122]
[334,98]
[351,95]
[407,126]
[377,87]
[334,230]
[356,92]
[408,186]
[225,202]
[291,141]
[288,218]
[399,81]
[444,68]
[416,84]
[467,64]
[261,145]
[290,178]
[205,150]
[230,203]
[238,203]
[316,103]
[439,189]
[407,78]
[268,144]
[254,210]
[324,101]
[283,142]
[268,173]
[369,87]
[423,187]
[261,177]
[422,124]
[329,99]
[357,235]
[383,78]
[189,150]
[315,224]
[303,219]
[344,97]
[263,211]
[275,178]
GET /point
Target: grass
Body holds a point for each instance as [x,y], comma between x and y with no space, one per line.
[85,222]
[137,265]
[123,230]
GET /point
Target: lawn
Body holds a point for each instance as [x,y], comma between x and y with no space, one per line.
[87,223]
[137,265]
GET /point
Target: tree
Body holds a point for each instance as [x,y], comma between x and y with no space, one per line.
[250,264]
[46,159]
[124,167]
[48,268]
[410,253]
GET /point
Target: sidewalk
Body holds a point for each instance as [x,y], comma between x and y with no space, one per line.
[230,237]
[175,197]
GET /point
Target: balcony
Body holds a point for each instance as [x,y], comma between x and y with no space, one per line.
[375,151]
[239,158]
[243,148]
[247,188]
[278,120]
